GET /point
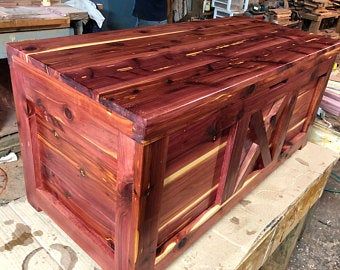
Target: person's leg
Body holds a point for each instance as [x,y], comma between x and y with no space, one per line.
[141,22]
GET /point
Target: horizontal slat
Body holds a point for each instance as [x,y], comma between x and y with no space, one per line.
[187,187]
[186,215]
[60,103]
[117,36]
[196,139]
[106,55]
[86,189]
[91,166]
[229,67]
[80,204]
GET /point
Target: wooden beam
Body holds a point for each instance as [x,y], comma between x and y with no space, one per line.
[170,11]
[279,260]
[232,156]
[282,127]
[257,124]
[147,194]
[123,212]
[28,144]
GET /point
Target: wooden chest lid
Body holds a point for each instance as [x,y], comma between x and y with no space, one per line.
[157,75]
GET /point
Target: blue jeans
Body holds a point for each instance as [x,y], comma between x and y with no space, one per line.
[141,23]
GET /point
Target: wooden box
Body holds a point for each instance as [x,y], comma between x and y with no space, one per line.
[136,141]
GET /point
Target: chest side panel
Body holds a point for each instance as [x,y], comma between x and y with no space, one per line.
[76,153]
[261,126]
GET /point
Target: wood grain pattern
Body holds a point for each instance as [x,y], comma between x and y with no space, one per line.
[257,125]
[147,194]
[233,151]
[126,68]
[142,138]
[24,113]
[124,238]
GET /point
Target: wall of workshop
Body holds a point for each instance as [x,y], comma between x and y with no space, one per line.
[118,13]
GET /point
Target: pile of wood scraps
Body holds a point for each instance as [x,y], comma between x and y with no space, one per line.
[318,7]
[280,16]
[335,4]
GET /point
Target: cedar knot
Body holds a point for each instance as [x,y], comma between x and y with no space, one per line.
[68,113]
[182,243]
[273,120]
[126,192]
[30,48]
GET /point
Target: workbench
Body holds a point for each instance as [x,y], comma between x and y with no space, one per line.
[245,238]
[19,20]
[36,22]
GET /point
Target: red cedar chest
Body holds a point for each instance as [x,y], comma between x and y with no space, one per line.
[136,141]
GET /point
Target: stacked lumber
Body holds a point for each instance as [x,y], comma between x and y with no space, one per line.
[296,4]
[334,4]
[331,99]
[280,16]
[317,7]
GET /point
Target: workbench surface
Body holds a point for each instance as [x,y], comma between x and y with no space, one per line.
[23,18]
[249,233]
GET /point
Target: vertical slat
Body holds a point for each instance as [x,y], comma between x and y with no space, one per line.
[257,124]
[232,156]
[29,147]
[32,119]
[125,177]
[282,127]
[150,163]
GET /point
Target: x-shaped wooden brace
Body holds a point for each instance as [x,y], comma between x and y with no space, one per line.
[269,143]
